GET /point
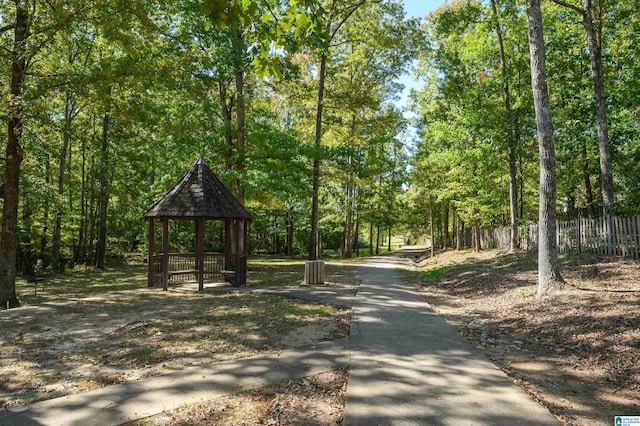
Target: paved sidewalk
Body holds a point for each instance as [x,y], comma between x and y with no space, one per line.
[117,404]
[408,367]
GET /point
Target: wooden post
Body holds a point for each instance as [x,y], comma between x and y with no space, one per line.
[245,252]
[165,253]
[150,260]
[227,245]
[637,236]
[200,252]
[236,259]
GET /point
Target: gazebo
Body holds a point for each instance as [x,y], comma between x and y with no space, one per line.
[199,196]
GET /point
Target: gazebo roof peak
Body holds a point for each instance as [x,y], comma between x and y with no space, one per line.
[199,193]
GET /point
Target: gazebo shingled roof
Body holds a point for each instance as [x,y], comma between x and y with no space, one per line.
[198,194]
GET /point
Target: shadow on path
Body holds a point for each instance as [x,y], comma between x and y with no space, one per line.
[408,367]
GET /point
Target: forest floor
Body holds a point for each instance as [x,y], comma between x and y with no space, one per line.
[90,329]
[576,351]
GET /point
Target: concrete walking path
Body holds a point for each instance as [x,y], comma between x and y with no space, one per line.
[409,367]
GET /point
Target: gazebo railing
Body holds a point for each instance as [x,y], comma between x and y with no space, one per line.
[182,266]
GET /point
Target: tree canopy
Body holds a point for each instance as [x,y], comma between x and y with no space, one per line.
[106,104]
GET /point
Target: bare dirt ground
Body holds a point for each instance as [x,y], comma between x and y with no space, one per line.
[74,337]
[577,351]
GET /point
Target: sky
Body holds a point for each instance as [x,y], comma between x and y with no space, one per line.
[418,9]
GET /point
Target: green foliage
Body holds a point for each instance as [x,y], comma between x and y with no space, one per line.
[461,153]
[164,73]
[270,29]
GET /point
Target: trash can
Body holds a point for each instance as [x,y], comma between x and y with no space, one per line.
[314,272]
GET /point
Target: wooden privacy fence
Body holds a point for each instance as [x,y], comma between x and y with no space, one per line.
[608,236]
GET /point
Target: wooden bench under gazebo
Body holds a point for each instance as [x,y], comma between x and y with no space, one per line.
[199,197]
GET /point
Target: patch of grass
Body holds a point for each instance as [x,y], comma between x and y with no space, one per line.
[306,310]
[147,355]
[273,261]
[99,381]
[208,318]
[438,273]
[275,272]
[83,283]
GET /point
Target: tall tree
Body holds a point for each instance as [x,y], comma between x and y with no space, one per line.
[592,23]
[13,157]
[40,22]
[548,274]
[511,140]
[103,197]
[338,15]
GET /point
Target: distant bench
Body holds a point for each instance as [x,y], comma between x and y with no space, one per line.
[196,272]
[182,272]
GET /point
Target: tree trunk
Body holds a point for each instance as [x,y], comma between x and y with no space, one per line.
[511,142]
[591,205]
[240,118]
[356,237]
[445,225]
[69,115]
[313,251]
[103,197]
[458,233]
[45,223]
[378,239]
[548,274]
[92,213]
[521,174]
[290,229]
[517,130]
[476,232]
[13,159]
[594,44]
[275,247]
[431,227]
[595,48]
[226,112]
[370,238]
[348,222]
[81,248]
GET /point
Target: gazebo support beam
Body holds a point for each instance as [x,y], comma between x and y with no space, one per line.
[227,245]
[165,253]
[200,252]
[236,257]
[150,261]
[245,251]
